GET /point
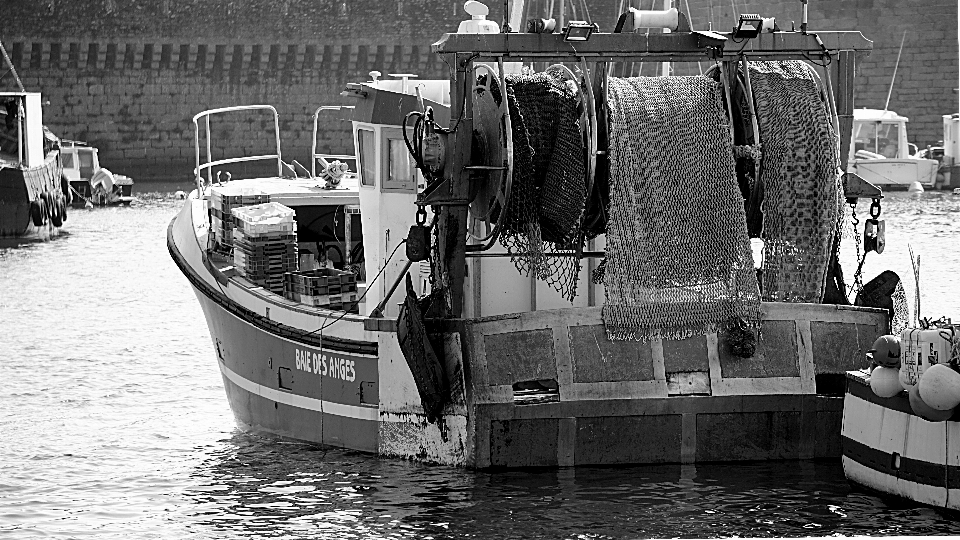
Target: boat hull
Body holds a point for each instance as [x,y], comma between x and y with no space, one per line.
[661,401]
[18,189]
[889,449]
[896,173]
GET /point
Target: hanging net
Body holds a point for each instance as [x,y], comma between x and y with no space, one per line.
[678,260]
[549,188]
[802,183]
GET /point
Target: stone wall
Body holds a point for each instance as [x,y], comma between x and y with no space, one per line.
[128,75]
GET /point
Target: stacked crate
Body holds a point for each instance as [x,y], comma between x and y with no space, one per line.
[265,244]
[223,199]
[326,287]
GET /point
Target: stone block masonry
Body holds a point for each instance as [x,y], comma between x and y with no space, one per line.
[128,75]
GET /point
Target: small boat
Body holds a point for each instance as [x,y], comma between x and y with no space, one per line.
[479,362]
[880,153]
[91,184]
[32,201]
[901,427]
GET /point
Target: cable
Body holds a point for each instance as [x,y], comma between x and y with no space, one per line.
[362,296]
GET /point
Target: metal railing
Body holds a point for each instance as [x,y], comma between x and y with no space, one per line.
[313,148]
[209,164]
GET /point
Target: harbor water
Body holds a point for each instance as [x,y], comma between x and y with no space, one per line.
[114,422]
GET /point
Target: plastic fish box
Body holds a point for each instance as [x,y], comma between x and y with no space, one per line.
[267,229]
[232,195]
[273,236]
[324,277]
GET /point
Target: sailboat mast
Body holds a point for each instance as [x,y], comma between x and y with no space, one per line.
[895,66]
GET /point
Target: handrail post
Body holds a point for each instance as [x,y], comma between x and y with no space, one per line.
[197,172]
[206,121]
[276,129]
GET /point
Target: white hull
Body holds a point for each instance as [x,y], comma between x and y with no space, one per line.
[896,173]
[889,449]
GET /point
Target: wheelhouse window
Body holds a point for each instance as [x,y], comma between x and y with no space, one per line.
[367,150]
[67,160]
[400,173]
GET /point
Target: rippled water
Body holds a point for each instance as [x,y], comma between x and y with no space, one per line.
[114,424]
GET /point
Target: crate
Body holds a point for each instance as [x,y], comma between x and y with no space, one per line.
[324,277]
[345,302]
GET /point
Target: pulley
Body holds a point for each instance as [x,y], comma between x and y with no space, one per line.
[874,230]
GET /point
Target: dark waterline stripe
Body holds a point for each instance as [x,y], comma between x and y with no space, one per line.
[913,470]
[295,334]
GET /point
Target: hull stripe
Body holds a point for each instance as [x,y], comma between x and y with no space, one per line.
[913,470]
[303,402]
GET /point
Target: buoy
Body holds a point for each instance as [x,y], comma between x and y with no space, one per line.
[885,381]
[180,195]
[886,351]
[940,387]
[921,409]
[915,187]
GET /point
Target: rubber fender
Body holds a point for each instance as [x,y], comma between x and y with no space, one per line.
[65,188]
[56,213]
[36,212]
[63,209]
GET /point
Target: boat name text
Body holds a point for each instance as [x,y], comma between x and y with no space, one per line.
[323,364]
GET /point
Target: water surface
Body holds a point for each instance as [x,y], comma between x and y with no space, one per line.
[114,423]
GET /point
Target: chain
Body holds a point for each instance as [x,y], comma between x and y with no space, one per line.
[857,276]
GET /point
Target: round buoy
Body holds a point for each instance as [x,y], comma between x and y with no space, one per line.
[886,351]
[915,187]
[921,409]
[940,387]
[885,381]
[180,195]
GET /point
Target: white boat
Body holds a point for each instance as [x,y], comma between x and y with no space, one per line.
[500,370]
[91,184]
[880,153]
[894,441]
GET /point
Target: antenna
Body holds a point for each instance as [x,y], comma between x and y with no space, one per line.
[895,66]
[12,69]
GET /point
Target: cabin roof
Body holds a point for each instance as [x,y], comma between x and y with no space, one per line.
[301,191]
[878,115]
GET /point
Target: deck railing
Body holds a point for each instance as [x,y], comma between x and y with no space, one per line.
[313,149]
[209,164]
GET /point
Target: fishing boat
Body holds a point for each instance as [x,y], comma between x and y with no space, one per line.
[91,184]
[881,154]
[440,306]
[32,203]
[32,195]
[901,428]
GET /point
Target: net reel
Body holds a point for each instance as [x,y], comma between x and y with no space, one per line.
[493,156]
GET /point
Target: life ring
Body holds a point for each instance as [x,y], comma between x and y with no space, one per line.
[36,212]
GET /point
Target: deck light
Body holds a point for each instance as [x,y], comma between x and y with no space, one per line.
[749,26]
[578,31]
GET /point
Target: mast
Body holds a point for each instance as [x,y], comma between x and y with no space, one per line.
[894,78]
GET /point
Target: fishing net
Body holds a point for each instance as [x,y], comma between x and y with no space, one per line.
[678,259]
[549,187]
[801,181]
